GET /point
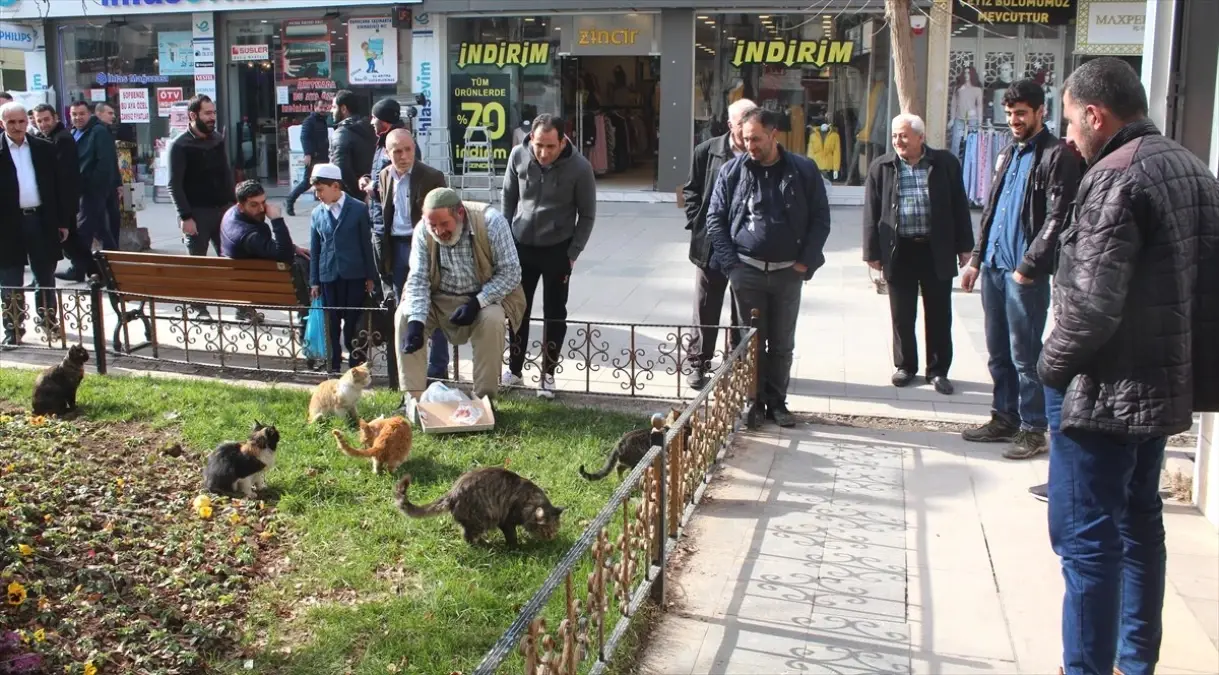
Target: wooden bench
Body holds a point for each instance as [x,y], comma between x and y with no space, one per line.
[144,277]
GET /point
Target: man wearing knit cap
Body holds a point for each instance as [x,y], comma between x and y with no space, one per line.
[386,116]
[550,197]
[465,278]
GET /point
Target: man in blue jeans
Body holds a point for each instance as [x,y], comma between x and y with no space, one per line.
[1131,356]
[1029,204]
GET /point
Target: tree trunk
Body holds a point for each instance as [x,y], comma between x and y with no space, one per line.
[897,12]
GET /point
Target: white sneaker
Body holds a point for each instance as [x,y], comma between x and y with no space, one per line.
[510,380]
[546,388]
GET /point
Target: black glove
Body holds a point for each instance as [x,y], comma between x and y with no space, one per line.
[467,313]
[413,341]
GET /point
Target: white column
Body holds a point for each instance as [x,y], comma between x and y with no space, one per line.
[939,35]
[1206,461]
[1158,49]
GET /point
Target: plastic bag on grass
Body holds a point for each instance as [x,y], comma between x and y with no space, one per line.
[438,392]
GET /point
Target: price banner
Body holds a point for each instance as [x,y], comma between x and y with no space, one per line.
[480,101]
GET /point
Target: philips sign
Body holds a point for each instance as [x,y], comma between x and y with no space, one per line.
[14,36]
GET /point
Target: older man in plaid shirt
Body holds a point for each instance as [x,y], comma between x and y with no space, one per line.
[917,232]
[465,278]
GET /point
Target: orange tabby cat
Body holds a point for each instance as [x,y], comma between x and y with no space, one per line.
[386,441]
[339,396]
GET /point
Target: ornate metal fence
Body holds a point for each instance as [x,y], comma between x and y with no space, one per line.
[574,622]
[604,358]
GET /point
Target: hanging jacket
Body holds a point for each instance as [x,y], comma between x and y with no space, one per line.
[825,150]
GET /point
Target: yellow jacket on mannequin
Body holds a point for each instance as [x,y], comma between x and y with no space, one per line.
[825,149]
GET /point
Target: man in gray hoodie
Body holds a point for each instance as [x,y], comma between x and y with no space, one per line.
[550,197]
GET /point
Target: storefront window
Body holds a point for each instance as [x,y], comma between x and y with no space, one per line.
[280,68]
[503,71]
[828,77]
[141,68]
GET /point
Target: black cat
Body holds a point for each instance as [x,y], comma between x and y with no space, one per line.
[55,388]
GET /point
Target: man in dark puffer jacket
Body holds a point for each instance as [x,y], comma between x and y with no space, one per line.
[1133,353]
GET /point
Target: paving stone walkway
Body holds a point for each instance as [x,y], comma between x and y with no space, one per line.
[853,551]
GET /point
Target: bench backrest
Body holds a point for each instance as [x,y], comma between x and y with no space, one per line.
[219,280]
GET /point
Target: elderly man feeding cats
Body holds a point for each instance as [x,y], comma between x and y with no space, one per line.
[465,278]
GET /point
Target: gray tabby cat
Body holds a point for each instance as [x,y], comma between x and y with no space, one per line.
[488,498]
[631,448]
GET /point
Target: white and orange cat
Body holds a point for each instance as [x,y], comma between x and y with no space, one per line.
[386,440]
[335,397]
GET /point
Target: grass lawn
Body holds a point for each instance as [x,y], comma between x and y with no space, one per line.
[348,584]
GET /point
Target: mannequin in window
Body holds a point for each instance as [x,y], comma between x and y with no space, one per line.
[1053,104]
[1006,76]
[967,97]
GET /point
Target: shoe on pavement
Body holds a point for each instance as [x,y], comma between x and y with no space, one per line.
[250,316]
[1027,445]
[901,378]
[546,387]
[1041,492]
[290,208]
[201,313]
[997,430]
[781,415]
[511,379]
[698,379]
[71,274]
[942,384]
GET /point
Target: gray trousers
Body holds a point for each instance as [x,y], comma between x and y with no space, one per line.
[207,222]
[776,296]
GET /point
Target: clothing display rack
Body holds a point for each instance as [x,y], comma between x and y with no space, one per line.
[977,146]
[615,138]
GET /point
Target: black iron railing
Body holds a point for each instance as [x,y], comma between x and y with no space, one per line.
[575,621]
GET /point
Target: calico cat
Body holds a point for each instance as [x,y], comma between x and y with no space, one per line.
[55,388]
[386,441]
[238,469]
[490,497]
[635,444]
[333,397]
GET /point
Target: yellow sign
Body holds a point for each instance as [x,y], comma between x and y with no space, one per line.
[793,52]
[621,36]
[503,54]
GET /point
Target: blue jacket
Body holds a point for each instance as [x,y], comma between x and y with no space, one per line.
[804,200]
[315,140]
[242,238]
[344,252]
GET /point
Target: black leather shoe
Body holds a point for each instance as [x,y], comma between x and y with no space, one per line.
[71,274]
[290,209]
[781,416]
[941,384]
[902,378]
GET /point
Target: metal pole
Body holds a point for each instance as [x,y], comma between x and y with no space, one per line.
[99,327]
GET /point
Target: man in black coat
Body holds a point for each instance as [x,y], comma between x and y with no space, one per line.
[355,142]
[709,285]
[1131,357]
[917,232]
[315,144]
[35,222]
[768,221]
[98,184]
[51,129]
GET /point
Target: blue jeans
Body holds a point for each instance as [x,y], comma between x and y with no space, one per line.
[1015,320]
[1107,527]
[438,349]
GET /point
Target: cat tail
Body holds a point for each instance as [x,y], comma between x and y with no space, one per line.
[404,503]
[605,470]
[348,449]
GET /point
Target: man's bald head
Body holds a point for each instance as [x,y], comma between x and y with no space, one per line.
[401,148]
